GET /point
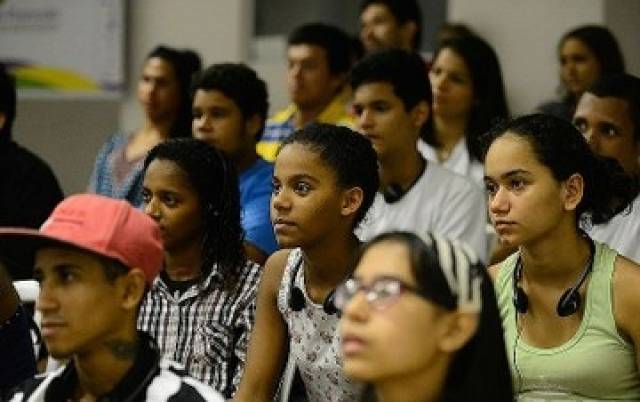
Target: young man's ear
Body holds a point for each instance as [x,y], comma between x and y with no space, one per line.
[3,120]
[352,200]
[459,329]
[408,32]
[132,287]
[253,125]
[420,114]
[572,191]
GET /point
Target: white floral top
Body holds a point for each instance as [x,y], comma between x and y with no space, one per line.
[315,343]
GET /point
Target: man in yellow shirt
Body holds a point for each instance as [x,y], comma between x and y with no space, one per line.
[319,60]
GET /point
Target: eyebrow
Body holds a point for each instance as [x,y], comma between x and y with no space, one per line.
[510,174]
[303,176]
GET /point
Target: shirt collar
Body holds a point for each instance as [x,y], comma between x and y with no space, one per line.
[135,381]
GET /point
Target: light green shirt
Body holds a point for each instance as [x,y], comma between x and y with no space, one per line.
[596,364]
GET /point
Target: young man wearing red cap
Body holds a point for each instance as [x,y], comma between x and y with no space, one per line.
[94,258]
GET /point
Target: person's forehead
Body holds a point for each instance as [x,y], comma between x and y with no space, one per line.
[609,108]
[377,10]
[212,96]
[49,257]
[375,91]
[300,51]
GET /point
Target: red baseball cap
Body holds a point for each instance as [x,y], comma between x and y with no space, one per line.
[100,225]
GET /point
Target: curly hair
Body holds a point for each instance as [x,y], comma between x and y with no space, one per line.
[241,84]
[350,155]
[214,178]
[559,146]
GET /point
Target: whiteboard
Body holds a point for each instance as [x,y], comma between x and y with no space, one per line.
[64,47]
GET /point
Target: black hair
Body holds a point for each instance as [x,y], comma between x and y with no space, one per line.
[625,87]
[185,64]
[7,103]
[335,42]
[403,11]
[404,71]
[489,100]
[479,371]
[214,178]
[604,46]
[559,146]
[112,268]
[349,154]
[241,84]
[449,30]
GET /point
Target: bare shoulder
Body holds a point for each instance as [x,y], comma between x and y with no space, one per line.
[274,268]
[626,296]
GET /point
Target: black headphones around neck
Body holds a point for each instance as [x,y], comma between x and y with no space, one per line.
[297,300]
[394,191]
[570,301]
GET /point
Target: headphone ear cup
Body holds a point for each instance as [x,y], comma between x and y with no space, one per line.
[520,300]
[296,299]
[569,302]
[393,193]
[329,305]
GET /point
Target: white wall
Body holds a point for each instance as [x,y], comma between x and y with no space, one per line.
[623,17]
[68,133]
[525,34]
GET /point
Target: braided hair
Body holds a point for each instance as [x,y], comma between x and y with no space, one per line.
[214,178]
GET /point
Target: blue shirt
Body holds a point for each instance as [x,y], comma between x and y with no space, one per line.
[255,198]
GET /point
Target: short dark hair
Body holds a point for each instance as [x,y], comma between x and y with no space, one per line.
[335,42]
[7,102]
[113,268]
[603,45]
[490,103]
[403,11]
[350,155]
[405,71]
[625,87]
[559,146]
[215,180]
[185,64]
[241,84]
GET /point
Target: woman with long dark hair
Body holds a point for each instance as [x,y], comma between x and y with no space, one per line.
[585,54]
[569,304]
[200,309]
[164,94]
[468,97]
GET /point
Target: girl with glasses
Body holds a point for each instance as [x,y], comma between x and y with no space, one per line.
[324,181]
[420,323]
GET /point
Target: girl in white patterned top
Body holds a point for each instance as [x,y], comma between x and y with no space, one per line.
[325,179]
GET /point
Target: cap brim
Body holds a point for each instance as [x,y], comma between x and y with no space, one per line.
[19,245]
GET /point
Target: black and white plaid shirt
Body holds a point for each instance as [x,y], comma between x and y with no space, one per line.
[206,327]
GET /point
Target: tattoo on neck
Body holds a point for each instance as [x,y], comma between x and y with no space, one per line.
[123,350]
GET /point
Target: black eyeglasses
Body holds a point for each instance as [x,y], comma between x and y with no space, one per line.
[380,294]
